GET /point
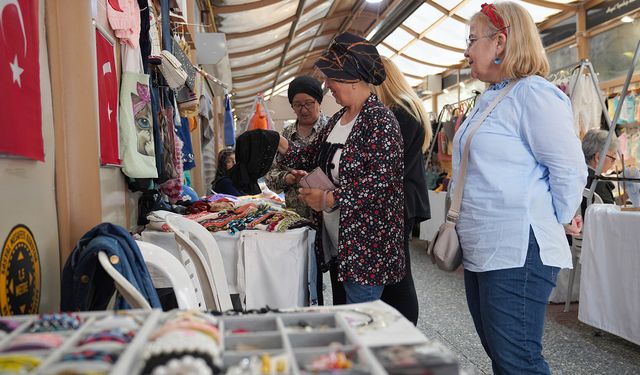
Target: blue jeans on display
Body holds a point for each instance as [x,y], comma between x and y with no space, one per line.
[358,293]
[508,309]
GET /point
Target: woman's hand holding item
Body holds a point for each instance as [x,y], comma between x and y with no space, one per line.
[294,176]
[574,227]
[317,199]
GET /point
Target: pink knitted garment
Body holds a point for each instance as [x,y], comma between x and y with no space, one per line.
[124,18]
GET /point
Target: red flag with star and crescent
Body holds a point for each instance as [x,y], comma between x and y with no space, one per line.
[107,100]
[21,124]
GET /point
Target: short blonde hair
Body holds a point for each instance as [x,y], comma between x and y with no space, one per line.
[395,90]
[524,53]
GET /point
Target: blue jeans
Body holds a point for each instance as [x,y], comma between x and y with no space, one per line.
[357,293]
[508,309]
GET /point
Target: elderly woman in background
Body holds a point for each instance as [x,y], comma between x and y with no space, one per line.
[415,126]
[592,143]
[511,218]
[360,150]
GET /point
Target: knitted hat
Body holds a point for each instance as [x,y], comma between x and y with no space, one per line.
[306,85]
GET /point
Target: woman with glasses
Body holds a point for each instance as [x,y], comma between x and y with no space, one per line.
[524,181]
[592,143]
[360,222]
[305,96]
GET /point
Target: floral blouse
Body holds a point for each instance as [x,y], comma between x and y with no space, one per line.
[370,196]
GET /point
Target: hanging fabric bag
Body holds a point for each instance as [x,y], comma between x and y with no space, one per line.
[172,70]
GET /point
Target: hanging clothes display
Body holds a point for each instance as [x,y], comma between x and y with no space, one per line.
[136,133]
[229,125]
[585,102]
[124,18]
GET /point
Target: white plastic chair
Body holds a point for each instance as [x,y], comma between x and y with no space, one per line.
[204,253]
[576,251]
[133,297]
[170,267]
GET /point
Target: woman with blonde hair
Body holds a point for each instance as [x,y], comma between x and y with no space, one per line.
[524,179]
[396,94]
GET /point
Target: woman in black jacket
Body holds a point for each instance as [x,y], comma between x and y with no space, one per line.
[396,94]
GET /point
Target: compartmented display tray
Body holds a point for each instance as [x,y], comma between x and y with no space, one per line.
[129,342]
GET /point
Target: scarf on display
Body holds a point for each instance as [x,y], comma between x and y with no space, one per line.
[255,151]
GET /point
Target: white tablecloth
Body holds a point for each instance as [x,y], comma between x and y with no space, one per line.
[610,285]
[269,268]
[429,228]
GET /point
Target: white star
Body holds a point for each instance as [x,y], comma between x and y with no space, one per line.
[16,70]
[109,111]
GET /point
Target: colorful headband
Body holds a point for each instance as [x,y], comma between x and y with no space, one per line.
[489,10]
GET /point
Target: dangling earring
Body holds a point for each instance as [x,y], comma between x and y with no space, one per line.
[497,61]
[353,86]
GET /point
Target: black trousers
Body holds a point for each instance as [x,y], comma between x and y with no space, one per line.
[402,295]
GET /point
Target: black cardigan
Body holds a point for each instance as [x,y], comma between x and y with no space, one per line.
[415,186]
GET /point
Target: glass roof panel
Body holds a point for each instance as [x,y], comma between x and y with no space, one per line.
[398,38]
[449,32]
[253,82]
[422,18]
[262,55]
[414,68]
[429,53]
[255,18]
[253,42]
[412,81]
[384,51]
[538,13]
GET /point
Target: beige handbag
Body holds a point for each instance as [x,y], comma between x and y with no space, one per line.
[444,248]
[172,70]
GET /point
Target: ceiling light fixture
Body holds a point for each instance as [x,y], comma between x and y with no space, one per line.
[626,19]
[374,1]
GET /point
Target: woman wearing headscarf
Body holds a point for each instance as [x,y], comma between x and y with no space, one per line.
[415,126]
[524,180]
[255,150]
[360,150]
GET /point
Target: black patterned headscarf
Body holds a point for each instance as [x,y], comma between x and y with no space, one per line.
[255,150]
[351,58]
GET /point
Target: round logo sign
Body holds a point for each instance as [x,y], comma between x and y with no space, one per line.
[19,273]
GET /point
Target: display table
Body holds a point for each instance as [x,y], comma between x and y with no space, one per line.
[268,268]
[372,337]
[429,228]
[610,282]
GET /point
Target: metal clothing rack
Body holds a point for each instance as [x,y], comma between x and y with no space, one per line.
[616,116]
[439,127]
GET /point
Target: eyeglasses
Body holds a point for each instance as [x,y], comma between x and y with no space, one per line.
[613,158]
[470,41]
[307,105]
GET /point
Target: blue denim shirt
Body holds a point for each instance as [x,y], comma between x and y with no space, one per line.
[526,169]
[86,285]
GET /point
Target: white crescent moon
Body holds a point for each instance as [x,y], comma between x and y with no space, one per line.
[106,68]
[4,4]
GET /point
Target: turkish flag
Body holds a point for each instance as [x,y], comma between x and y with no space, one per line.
[107,100]
[21,124]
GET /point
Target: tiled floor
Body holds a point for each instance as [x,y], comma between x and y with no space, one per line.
[571,347]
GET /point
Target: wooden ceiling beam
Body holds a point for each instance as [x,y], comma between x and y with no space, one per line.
[261,30]
[250,52]
[323,20]
[549,4]
[413,58]
[293,60]
[430,41]
[244,7]
[449,13]
[292,33]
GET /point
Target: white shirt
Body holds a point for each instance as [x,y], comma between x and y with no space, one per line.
[331,220]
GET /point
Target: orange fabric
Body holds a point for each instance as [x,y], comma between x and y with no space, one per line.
[259,120]
[193,124]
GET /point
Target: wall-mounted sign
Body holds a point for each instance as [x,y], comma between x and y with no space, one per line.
[19,273]
[608,10]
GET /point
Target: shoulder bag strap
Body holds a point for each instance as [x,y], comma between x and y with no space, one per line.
[454,210]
